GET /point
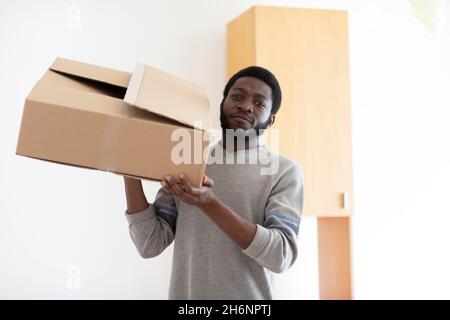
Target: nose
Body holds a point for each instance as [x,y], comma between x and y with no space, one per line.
[246,107]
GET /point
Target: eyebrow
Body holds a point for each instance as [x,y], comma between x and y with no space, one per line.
[245,91]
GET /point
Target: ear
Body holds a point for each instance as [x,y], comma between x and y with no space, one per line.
[271,120]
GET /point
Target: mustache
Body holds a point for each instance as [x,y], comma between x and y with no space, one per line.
[243,115]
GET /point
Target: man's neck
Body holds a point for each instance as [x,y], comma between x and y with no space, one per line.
[250,142]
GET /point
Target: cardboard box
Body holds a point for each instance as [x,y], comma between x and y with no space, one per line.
[76,115]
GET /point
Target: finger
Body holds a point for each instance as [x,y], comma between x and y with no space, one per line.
[169,184]
[185,183]
[207,181]
[180,192]
[188,198]
[174,185]
[167,187]
[196,192]
[164,184]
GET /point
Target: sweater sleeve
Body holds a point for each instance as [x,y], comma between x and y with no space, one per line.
[153,229]
[275,243]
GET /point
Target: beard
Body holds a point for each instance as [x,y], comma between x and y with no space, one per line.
[225,124]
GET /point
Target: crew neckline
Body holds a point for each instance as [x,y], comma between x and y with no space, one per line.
[251,149]
[231,156]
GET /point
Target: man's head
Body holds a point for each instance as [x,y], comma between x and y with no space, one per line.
[251,99]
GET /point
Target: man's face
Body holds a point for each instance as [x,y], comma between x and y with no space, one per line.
[247,105]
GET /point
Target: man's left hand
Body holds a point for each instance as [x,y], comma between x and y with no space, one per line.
[201,197]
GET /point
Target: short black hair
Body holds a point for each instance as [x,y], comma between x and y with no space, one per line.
[261,74]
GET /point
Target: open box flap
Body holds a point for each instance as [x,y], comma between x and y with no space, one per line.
[90,71]
[169,96]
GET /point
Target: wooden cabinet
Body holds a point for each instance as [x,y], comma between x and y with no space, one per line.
[307,50]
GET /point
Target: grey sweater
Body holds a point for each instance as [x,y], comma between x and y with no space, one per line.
[206,263]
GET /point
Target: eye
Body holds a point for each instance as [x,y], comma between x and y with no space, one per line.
[260,104]
[236,97]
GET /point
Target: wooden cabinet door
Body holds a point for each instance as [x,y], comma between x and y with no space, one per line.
[307,49]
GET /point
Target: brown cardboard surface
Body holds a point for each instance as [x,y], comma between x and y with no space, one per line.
[159,92]
[90,71]
[75,115]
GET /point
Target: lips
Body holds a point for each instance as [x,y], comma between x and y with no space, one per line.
[242,117]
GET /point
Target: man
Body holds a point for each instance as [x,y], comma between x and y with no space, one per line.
[240,225]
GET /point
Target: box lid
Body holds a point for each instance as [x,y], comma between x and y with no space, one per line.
[92,72]
[169,96]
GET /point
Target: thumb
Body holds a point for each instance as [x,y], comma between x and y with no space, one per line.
[207,182]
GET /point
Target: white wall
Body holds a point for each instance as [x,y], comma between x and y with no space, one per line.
[62,230]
